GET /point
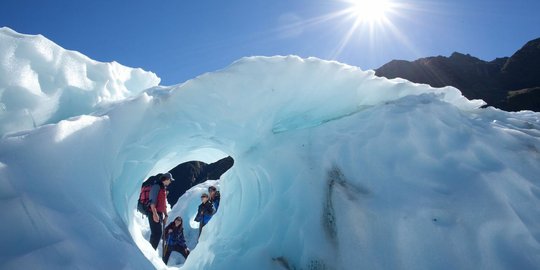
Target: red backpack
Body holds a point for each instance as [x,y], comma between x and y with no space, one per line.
[143,205]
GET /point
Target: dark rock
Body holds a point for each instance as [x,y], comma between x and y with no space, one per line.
[522,70]
[192,173]
[525,99]
[476,78]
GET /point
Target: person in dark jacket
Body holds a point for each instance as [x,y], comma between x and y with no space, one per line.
[158,208]
[174,233]
[215,196]
[205,212]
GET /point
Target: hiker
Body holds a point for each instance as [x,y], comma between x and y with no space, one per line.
[158,207]
[215,196]
[175,239]
[205,212]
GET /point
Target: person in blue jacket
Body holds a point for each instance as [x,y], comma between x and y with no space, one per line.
[205,212]
[175,239]
[214,196]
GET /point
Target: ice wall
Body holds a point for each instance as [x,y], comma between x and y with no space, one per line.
[335,169]
[42,83]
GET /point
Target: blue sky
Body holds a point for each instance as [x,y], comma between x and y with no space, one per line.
[180,39]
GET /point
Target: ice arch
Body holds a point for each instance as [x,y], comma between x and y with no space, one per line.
[335,169]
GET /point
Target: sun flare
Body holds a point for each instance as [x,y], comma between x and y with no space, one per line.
[370,10]
[362,22]
[371,20]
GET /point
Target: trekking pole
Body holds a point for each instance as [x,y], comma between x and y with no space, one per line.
[163,238]
[165,246]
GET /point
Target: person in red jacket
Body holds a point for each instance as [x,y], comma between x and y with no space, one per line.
[158,206]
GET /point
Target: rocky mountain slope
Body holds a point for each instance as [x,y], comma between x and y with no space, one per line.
[510,83]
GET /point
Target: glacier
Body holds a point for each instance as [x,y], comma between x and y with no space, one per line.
[335,168]
[42,83]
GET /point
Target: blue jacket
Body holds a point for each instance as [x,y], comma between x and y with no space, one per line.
[205,212]
[216,200]
[176,238]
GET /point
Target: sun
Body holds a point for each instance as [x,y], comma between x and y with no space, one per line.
[371,19]
[362,22]
[370,10]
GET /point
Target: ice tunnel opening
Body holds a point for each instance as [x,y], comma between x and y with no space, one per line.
[213,165]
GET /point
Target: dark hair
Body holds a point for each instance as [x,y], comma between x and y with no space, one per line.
[179,218]
[212,188]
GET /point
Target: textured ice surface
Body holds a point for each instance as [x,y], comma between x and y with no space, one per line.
[42,83]
[334,169]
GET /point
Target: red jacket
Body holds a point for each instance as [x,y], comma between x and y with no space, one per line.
[161,205]
[158,197]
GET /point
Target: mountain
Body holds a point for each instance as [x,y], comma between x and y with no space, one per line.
[509,83]
[522,70]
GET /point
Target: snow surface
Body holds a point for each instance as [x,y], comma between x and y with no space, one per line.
[335,168]
[42,83]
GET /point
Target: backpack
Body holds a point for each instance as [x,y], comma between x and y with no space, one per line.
[143,205]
